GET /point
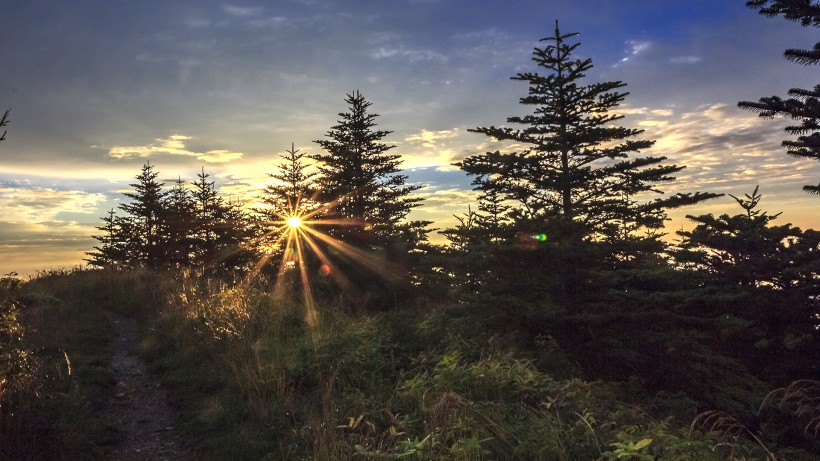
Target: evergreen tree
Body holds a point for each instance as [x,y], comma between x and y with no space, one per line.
[112,252]
[222,230]
[761,277]
[366,202]
[181,225]
[207,205]
[362,185]
[233,233]
[572,178]
[294,192]
[802,105]
[746,250]
[147,212]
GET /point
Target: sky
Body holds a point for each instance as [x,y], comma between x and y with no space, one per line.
[98,88]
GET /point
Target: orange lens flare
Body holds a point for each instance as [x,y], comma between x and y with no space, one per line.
[294,221]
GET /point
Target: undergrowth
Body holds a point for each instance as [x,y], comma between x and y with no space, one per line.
[57,335]
[258,377]
[255,381]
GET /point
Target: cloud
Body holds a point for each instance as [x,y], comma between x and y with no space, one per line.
[724,149]
[433,148]
[240,11]
[34,205]
[635,48]
[411,55]
[173,145]
[686,59]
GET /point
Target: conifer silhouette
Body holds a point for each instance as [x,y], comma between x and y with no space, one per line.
[577,176]
[802,105]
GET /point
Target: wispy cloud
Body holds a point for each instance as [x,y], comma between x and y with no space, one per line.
[241,11]
[433,148]
[173,145]
[635,48]
[408,54]
[686,59]
[724,149]
[34,205]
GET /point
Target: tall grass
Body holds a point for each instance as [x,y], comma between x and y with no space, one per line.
[258,376]
[52,405]
[256,380]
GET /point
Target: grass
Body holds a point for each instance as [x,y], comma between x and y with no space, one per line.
[255,379]
[67,337]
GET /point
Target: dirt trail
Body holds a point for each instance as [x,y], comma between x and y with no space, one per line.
[140,409]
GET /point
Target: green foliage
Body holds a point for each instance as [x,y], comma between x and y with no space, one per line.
[803,105]
[56,412]
[362,180]
[575,179]
[366,203]
[173,229]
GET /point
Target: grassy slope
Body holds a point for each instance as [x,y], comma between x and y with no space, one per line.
[253,381]
[68,337]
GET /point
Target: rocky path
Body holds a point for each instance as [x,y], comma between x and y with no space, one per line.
[140,410]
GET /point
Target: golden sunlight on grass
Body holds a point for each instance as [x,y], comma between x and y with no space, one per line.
[298,240]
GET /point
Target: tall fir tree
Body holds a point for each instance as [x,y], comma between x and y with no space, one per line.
[112,251]
[746,250]
[572,179]
[366,204]
[146,210]
[362,183]
[207,205]
[181,226]
[293,194]
[802,105]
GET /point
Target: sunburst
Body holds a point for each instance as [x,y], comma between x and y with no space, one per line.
[296,233]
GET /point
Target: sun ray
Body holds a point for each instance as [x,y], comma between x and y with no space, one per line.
[311,315]
[333,271]
[379,266]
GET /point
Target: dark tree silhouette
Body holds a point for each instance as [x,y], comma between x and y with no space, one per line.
[362,183]
[146,210]
[222,229]
[367,203]
[294,192]
[113,249]
[574,179]
[179,239]
[207,206]
[802,105]
[175,229]
[744,249]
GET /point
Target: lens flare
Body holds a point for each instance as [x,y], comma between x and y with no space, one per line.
[294,221]
[540,237]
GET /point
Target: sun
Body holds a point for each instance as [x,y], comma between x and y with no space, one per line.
[294,222]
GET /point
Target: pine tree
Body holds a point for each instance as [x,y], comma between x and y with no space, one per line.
[365,206]
[112,251]
[233,233]
[222,230]
[745,249]
[572,178]
[294,192]
[802,105]
[207,204]
[362,185]
[147,212]
[180,222]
